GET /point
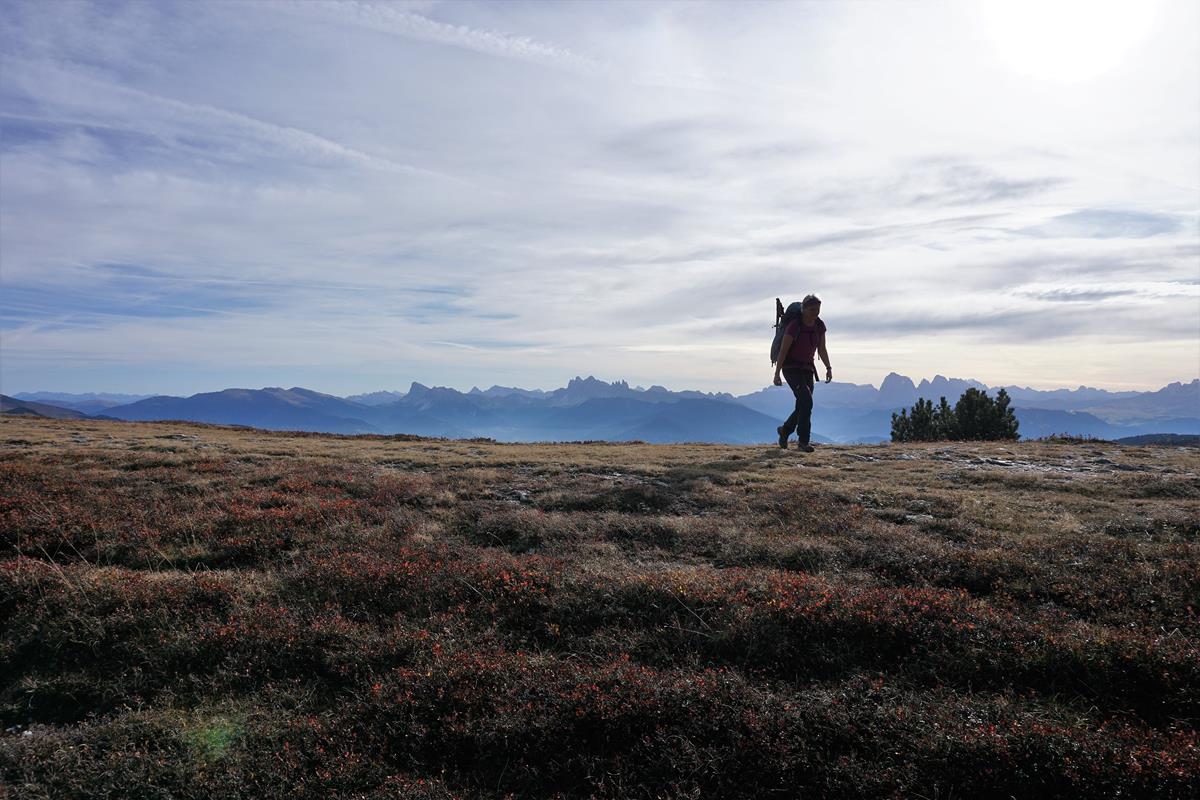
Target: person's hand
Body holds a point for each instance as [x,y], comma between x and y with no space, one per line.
[829,374]
[777,381]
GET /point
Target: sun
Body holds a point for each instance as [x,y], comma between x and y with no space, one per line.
[1066,40]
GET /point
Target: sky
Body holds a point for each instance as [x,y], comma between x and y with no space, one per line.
[353,196]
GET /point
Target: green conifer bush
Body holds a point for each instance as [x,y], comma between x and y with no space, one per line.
[975,417]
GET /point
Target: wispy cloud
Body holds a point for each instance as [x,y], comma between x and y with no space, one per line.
[1146,291]
[970,184]
[941,182]
[394,19]
[149,113]
[1096,223]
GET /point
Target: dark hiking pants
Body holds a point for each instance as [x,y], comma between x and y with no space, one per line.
[801,382]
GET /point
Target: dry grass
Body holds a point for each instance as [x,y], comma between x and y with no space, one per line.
[220,612]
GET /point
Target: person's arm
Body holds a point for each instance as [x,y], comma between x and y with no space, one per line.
[784,347]
[824,354]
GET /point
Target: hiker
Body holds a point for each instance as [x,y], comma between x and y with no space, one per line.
[803,336]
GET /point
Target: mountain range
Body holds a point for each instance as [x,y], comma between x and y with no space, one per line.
[592,409]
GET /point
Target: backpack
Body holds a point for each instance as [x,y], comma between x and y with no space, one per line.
[782,320]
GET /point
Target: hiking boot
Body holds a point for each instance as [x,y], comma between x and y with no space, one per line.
[783,437]
[805,446]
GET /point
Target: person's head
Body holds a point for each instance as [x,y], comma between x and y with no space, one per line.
[811,306]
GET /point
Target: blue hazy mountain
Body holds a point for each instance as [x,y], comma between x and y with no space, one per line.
[271,408]
[1067,399]
[375,398]
[1173,400]
[90,403]
[849,412]
[581,389]
[691,420]
[13,405]
[505,391]
[1037,422]
[585,409]
[588,408]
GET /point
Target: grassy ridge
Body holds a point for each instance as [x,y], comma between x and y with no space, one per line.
[216,612]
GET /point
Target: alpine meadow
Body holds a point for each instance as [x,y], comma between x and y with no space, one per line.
[196,611]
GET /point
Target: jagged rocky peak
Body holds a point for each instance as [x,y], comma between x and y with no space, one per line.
[943,385]
[578,382]
[895,382]
[592,386]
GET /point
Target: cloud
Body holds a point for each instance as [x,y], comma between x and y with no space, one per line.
[390,18]
[1107,224]
[147,113]
[1077,295]
[361,190]
[971,184]
[1096,292]
[940,182]
[1022,324]
[484,345]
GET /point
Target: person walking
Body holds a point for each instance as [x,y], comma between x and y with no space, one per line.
[803,337]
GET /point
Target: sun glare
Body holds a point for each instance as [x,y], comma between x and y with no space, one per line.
[1066,40]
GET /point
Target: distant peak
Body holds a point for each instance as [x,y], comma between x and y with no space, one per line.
[592,382]
[895,380]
